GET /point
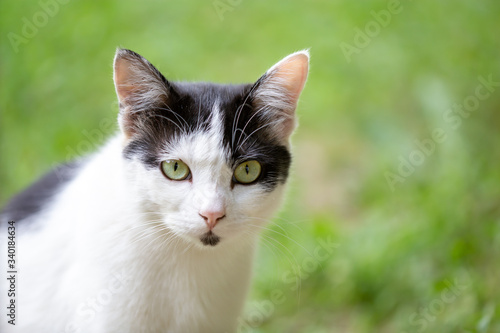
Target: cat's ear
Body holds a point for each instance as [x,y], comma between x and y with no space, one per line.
[276,93]
[139,87]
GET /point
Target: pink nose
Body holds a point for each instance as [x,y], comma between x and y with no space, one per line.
[212,217]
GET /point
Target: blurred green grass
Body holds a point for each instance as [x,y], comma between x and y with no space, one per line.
[399,250]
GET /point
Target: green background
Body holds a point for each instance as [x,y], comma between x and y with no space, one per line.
[418,253]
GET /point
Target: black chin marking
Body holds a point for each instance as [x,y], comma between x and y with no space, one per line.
[210,239]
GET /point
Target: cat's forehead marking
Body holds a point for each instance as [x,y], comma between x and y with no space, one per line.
[216,119]
[209,143]
[205,152]
[202,148]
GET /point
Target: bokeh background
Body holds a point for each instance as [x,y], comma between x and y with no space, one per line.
[389,225]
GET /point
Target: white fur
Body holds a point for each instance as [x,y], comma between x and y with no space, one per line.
[106,260]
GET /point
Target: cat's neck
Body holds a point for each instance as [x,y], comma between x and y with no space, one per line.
[166,272]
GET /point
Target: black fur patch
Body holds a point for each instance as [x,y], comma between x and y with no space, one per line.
[35,197]
[210,238]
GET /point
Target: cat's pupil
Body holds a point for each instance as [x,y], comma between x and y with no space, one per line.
[247,169]
[176,165]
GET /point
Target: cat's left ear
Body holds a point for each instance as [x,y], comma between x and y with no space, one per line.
[276,93]
[140,87]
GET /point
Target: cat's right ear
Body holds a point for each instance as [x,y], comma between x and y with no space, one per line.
[139,87]
[276,93]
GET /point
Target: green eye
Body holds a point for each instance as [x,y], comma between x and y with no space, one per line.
[247,172]
[175,169]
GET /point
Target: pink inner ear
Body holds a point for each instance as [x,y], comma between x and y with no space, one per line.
[279,92]
[123,79]
[292,73]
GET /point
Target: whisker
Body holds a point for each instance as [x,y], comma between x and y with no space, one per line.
[258,129]
[247,123]
[286,236]
[292,262]
[176,114]
[173,122]
[238,113]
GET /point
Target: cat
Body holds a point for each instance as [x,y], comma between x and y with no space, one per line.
[156,231]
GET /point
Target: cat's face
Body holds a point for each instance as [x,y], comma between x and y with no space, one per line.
[209,161]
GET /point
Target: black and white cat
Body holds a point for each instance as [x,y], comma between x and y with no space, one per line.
[156,231]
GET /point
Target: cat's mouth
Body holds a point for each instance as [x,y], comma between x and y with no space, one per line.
[209,238]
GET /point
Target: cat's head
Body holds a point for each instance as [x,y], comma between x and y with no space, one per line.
[209,161]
